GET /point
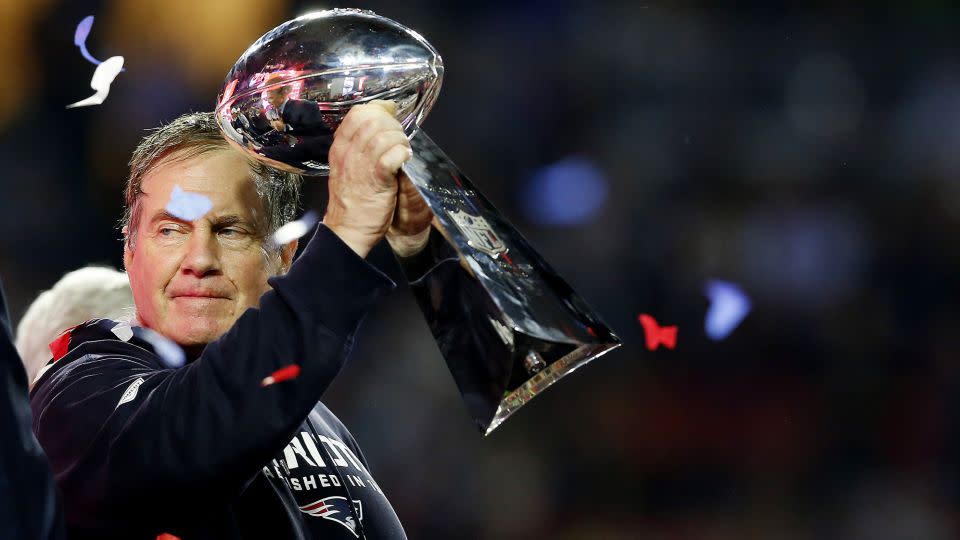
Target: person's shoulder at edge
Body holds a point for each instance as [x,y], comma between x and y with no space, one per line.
[92,355]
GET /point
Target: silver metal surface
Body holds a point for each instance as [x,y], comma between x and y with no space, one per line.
[288,92]
[507,324]
[510,326]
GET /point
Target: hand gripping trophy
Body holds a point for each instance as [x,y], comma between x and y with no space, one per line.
[510,326]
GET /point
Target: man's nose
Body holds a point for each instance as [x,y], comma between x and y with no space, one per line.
[203,256]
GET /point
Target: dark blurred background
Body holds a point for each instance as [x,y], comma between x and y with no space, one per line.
[808,153]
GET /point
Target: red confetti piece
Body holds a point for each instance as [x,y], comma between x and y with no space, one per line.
[60,346]
[283,374]
[658,335]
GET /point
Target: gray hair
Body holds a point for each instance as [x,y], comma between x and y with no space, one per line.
[92,292]
[191,135]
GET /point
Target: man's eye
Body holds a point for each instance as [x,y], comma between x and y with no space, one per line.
[167,231]
[231,232]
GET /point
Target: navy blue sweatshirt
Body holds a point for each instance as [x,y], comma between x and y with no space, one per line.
[28,500]
[204,451]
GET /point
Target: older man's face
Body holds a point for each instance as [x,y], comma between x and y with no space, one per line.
[192,280]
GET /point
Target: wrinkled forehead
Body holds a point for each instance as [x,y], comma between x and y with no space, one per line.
[221,174]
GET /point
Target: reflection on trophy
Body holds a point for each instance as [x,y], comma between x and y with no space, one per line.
[509,326]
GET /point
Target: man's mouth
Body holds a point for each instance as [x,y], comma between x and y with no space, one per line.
[199,294]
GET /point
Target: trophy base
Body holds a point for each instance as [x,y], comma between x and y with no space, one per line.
[519,397]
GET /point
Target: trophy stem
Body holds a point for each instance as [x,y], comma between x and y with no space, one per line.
[507,324]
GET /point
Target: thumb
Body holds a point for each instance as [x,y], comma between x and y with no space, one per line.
[387,105]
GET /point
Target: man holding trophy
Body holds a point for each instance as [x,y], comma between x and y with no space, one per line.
[204,451]
[236,443]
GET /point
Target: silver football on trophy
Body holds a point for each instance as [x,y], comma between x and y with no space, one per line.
[286,95]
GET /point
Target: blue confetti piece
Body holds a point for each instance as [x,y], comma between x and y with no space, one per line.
[188,206]
[83,30]
[171,355]
[80,39]
[728,307]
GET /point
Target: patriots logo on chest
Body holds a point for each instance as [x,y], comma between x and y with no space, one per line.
[336,509]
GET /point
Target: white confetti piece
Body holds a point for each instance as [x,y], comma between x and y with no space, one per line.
[123,331]
[188,206]
[103,76]
[295,229]
[728,306]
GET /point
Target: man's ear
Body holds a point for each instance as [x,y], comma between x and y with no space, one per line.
[286,255]
[127,253]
